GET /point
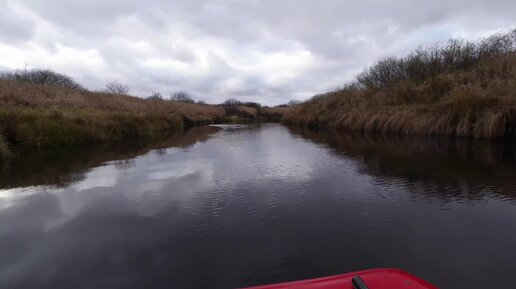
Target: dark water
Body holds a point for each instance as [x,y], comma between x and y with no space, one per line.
[239,206]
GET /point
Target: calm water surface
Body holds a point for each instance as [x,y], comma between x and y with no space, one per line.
[247,205]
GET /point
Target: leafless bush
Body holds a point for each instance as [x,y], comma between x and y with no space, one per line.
[181,96]
[232,102]
[252,104]
[40,77]
[441,58]
[116,87]
[155,96]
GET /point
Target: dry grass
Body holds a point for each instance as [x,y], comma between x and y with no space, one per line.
[26,95]
[476,102]
[39,115]
[4,150]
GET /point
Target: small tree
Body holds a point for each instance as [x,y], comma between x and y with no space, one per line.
[232,102]
[252,104]
[116,87]
[201,102]
[181,96]
[155,96]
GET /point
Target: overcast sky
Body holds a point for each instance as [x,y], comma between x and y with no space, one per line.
[270,51]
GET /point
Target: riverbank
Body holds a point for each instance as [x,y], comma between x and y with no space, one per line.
[460,89]
[40,116]
[34,115]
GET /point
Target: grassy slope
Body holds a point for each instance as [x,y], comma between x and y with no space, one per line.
[34,115]
[476,102]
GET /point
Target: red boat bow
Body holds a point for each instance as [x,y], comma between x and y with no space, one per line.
[370,279]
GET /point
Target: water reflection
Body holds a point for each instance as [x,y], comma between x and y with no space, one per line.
[62,167]
[248,205]
[449,169]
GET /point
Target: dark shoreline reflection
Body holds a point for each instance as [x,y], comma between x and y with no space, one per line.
[63,166]
[258,204]
[453,169]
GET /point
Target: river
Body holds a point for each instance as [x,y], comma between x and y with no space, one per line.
[233,206]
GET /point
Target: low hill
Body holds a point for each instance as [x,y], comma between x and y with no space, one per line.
[43,115]
[457,88]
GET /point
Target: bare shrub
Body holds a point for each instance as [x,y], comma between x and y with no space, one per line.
[252,104]
[155,96]
[182,96]
[441,58]
[116,87]
[232,102]
[41,77]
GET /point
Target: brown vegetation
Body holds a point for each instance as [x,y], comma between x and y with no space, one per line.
[459,89]
[273,114]
[24,95]
[43,115]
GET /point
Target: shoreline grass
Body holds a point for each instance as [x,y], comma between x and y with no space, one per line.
[461,89]
[39,127]
[33,115]
[38,115]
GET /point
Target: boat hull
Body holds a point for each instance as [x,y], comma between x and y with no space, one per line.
[374,279]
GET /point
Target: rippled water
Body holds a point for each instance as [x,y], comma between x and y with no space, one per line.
[247,205]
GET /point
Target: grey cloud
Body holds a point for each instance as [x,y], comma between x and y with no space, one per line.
[14,26]
[269,51]
[82,14]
